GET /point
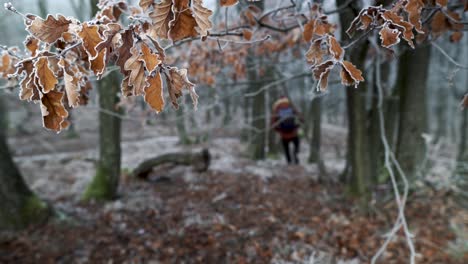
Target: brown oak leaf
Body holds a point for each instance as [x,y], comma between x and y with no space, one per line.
[184,24]
[335,48]
[90,38]
[146,4]
[389,36]
[202,17]
[353,73]
[29,91]
[321,73]
[154,93]
[161,16]
[136,78]
[49,30]
[309,30]
[414,9]
[228,2]
[149,58]
[315,53]
[45,76]
[32,44]
[53,111]
[178,81]
[124,50]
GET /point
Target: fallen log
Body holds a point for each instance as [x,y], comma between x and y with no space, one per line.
[200,161]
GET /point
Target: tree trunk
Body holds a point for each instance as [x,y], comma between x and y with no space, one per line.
[257,144]
[20,207]
[106,181]
[359,163]
[316,130]
[412,78]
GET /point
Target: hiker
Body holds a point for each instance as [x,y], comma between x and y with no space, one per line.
[285,120]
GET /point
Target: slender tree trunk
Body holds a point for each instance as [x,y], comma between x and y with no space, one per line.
[359,164]
[19,206]
[461,171]
[412,79]
[316,130]
[257,145]
[181,128]
[105,184]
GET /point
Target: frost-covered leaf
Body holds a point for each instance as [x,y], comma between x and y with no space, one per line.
[45,76]
[154,93]
[49,30]
[352,73]
[161,16]
[53,111]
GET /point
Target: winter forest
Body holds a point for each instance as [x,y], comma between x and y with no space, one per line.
[234,131]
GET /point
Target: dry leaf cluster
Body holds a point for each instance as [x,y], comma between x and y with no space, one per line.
[63,54]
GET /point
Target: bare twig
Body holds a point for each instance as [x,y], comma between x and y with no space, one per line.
[391,161]
[461,66]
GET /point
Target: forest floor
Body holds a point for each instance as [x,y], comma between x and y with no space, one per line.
[239,211]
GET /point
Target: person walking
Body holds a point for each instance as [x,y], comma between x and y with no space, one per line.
[285,119]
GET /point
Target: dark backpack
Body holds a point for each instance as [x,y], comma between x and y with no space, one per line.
[287,119]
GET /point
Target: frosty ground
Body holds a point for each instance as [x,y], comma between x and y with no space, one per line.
[239,211]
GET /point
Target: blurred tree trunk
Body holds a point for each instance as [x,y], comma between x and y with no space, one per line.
[105,183]
[411,84]
[20,207]
[315,112]
[180,124]
[359,164]
[461,170]
[377,150]
[258,125]
[43,8]
[258,119]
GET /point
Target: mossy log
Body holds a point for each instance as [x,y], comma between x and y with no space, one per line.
[199,160]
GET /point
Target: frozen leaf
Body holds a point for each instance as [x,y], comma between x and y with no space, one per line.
[321,73]
[32,44]
[353,73]
[315,53]
[136,79]
[49,30]
[149,59]
[71,82]
[178,81]
[111,36]
[146,4]
[161,52]
[184,24]
[90,38]
[202,17]
[124,50]
[98,64]
[414,9]
[161,16]
[335,48]
[405,27]
[309,30]
[154,93]
[247,34]
[456,36]
[45,76]
[439,24]
[389,36]
[228,2]
[29,91]
[71,89]
[53,111]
